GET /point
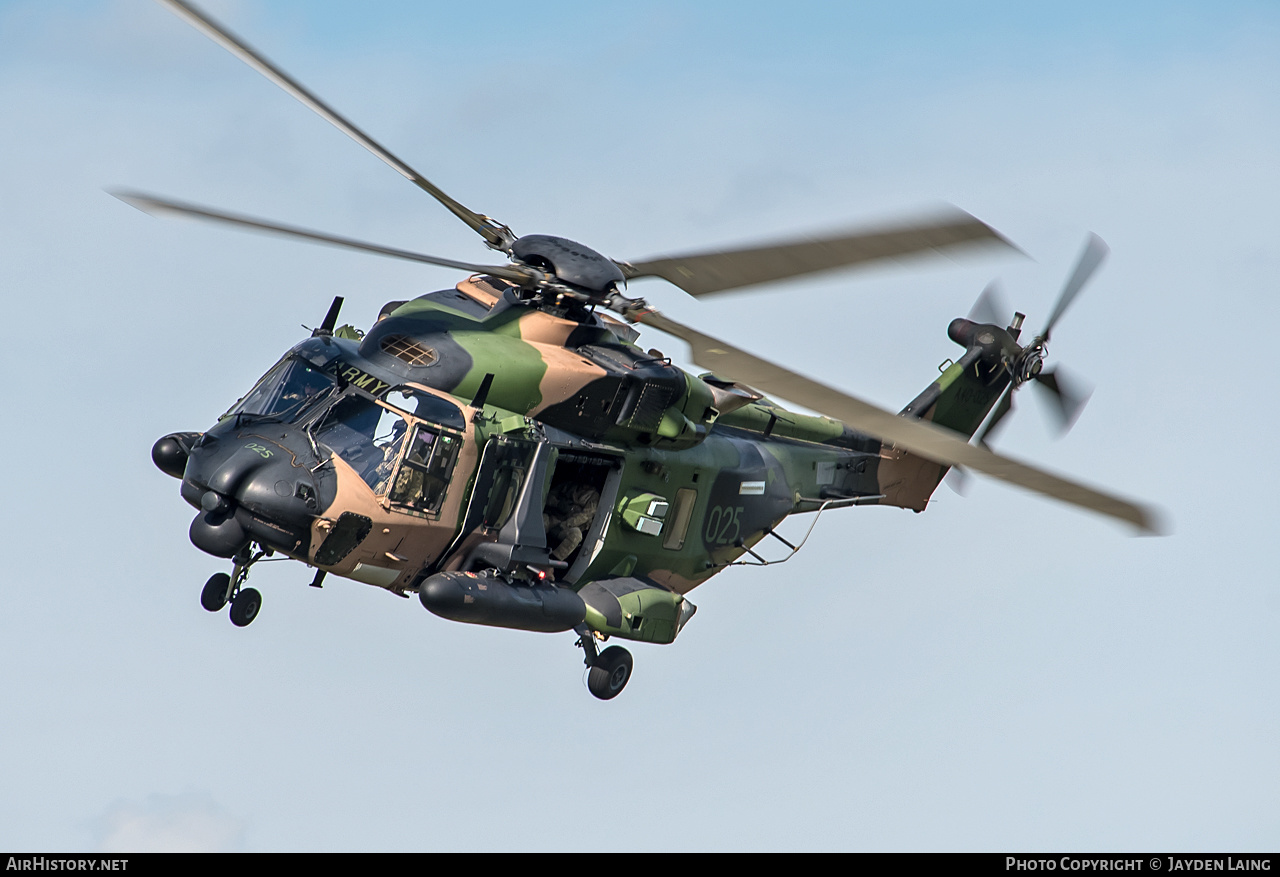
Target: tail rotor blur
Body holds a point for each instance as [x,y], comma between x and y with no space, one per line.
[1067,394]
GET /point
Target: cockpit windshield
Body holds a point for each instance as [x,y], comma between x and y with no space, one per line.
[285,391]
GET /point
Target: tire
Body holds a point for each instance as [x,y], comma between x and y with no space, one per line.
[610,673]
[244,608]
[214,595]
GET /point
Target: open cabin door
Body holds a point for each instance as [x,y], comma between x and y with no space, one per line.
[535,505]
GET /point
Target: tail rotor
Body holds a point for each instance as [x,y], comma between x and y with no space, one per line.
[1066,394]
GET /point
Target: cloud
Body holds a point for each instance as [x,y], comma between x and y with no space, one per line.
[191,822]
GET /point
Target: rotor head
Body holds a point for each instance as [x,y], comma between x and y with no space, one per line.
[570,262]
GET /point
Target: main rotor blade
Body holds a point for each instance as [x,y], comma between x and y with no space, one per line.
[159,206]
[915,436]
[495,234]
[1095,250]
[720,270]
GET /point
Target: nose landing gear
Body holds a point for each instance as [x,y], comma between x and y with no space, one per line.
[610,670]
[222,589]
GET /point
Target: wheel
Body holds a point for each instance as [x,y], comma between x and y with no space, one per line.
[244,608]
[214,595]
[610,673]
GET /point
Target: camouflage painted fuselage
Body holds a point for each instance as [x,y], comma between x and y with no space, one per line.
[690,472]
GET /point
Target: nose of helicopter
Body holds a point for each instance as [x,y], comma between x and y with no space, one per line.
[250,488]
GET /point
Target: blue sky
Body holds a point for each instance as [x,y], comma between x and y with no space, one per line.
[998,673]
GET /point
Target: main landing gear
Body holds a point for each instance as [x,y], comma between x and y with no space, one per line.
[222,589]
[610,670]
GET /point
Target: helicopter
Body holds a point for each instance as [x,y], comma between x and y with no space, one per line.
[506,451]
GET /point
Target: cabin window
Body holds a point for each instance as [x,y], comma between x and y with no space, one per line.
[678,518]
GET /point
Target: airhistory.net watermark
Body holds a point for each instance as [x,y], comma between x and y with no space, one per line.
[43,863]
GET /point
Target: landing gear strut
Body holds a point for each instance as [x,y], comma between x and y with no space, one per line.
[222,589]
[610,670]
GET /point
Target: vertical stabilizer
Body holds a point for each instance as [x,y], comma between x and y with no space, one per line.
[960,399]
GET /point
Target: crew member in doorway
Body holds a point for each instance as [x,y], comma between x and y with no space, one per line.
[569,511]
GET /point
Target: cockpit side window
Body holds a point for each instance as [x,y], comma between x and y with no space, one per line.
[439,411]
[424,474]
[371,439]
[365,435]
[285,391]
[388,439]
